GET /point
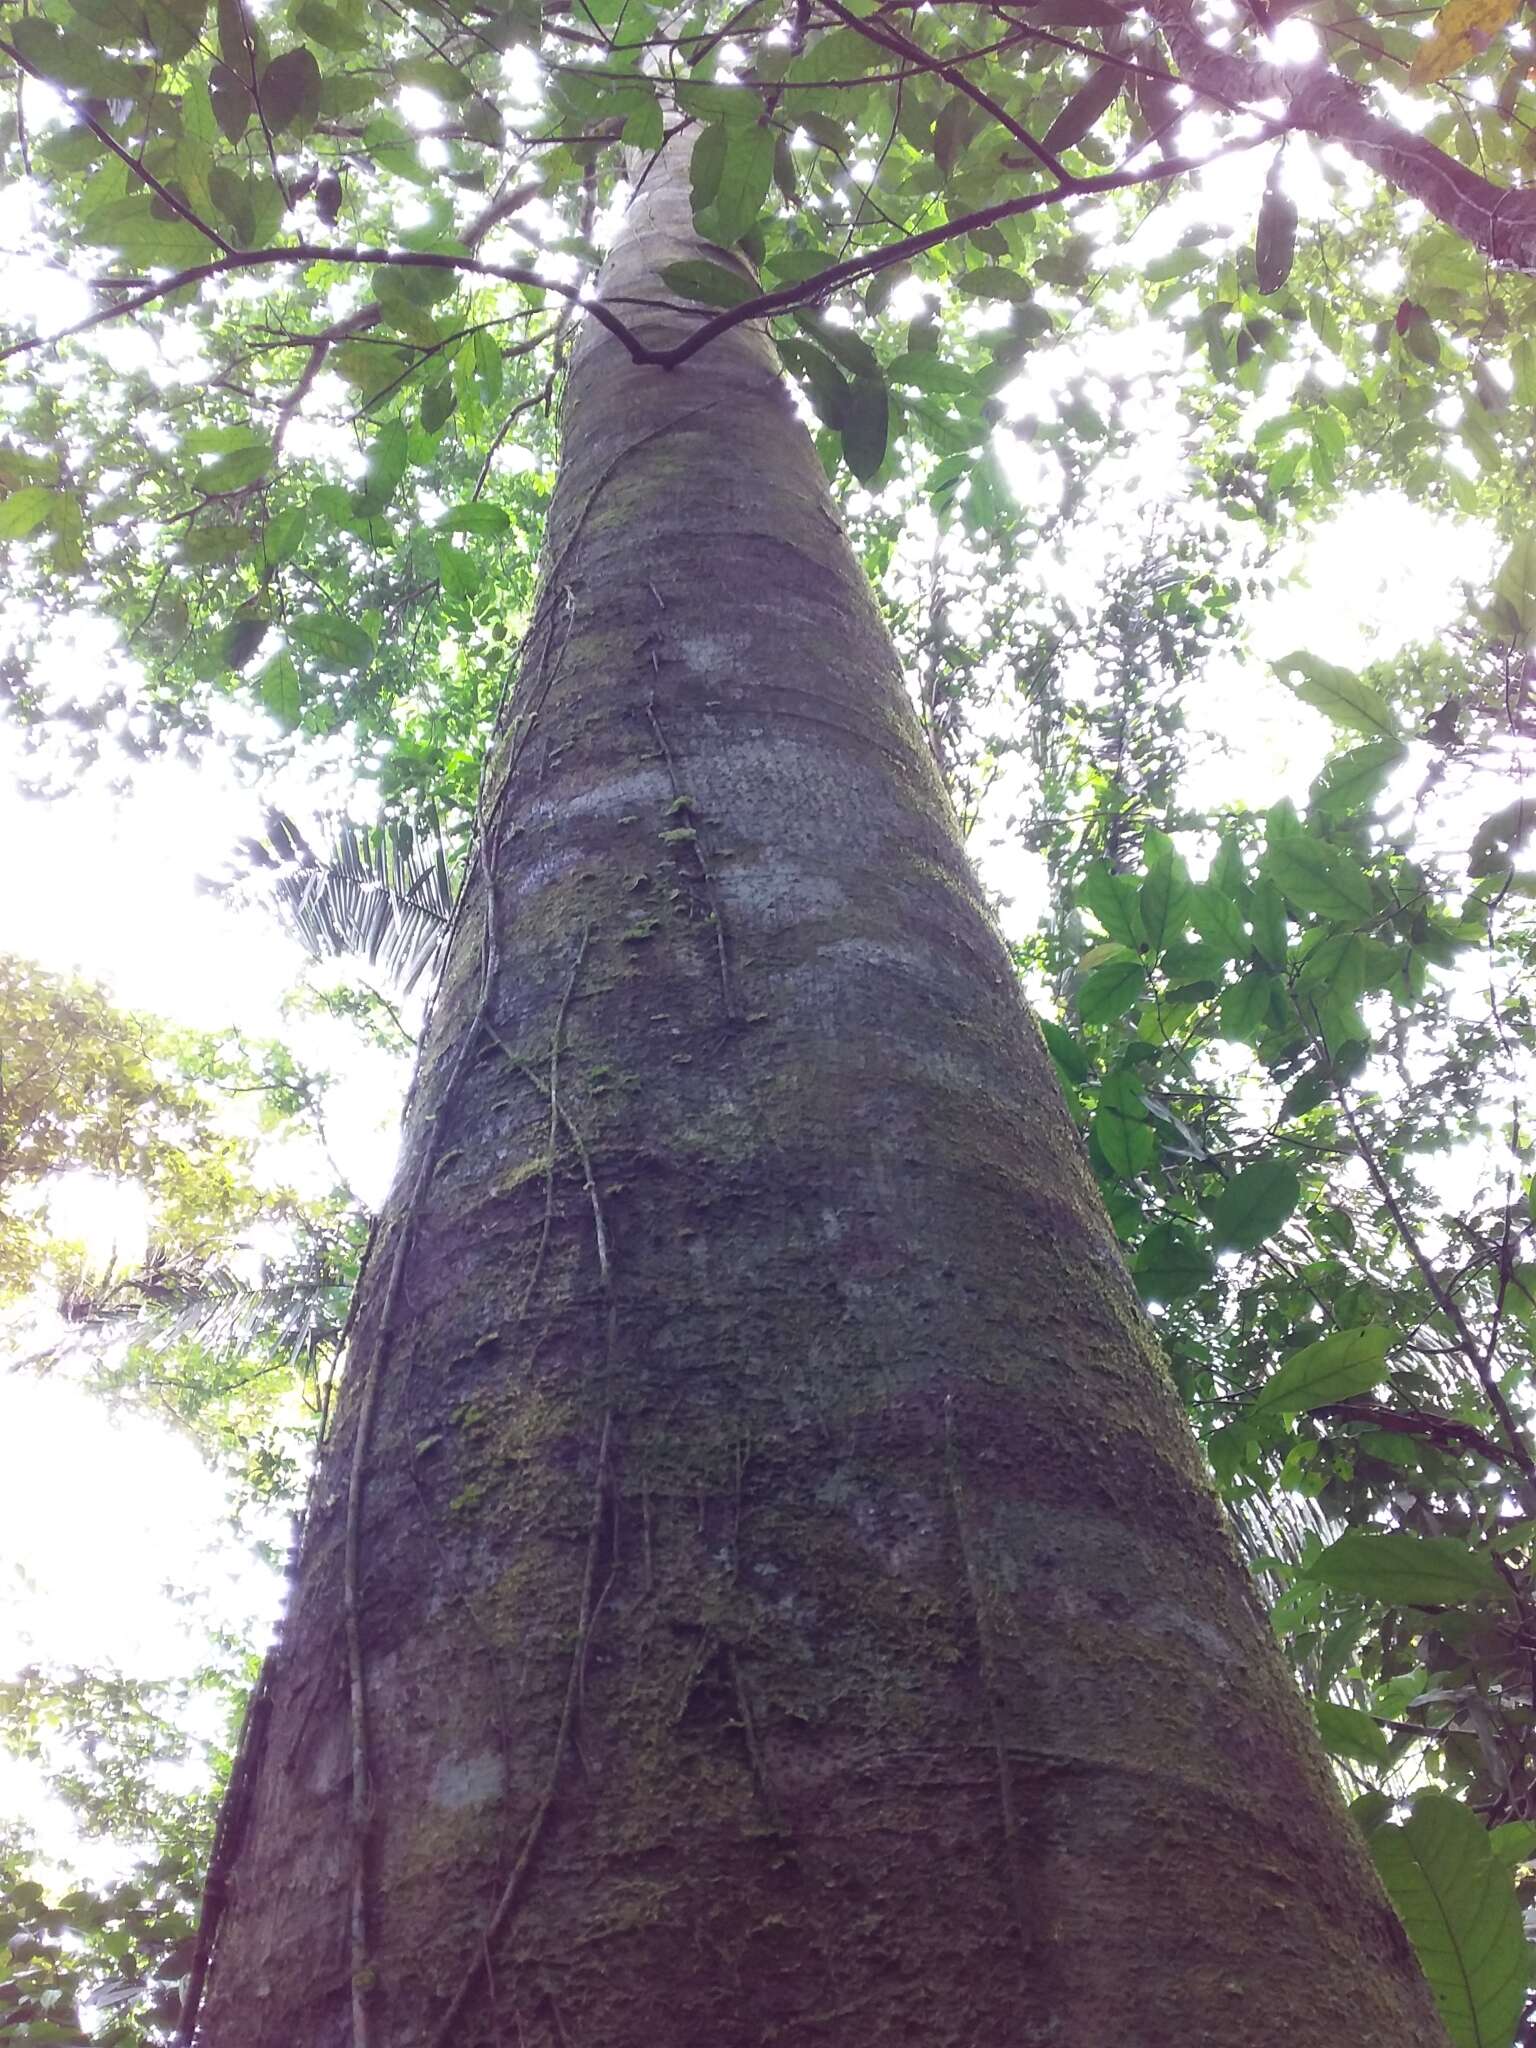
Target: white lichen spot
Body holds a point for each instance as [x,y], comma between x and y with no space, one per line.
[459,1782]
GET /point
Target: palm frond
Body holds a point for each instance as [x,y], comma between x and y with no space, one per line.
[381,893]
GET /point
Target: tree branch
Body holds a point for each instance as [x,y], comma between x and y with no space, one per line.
[1497,219]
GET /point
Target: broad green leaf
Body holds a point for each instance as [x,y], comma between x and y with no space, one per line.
[278,688]
[746,173]
[73,61]
[1348,1732]
[840,54]
[1274,248]
[290,91]
[1165,894]
[1337,1366]
[477,518]
[828,386]
[929,372]
[705,165]
[1516,581]
[285,534]
[1404,1570]
[330,640]
[327,26]
[1458,1903]
[131,227]
[1218,921]
[437,405]
[1271,933]
[237,468]
[866,427]
[1111,991]
[1115,902]
[1172,1264]
[1126,1137]
[24,511]
[1064,1050]
[1245,1007]
[1253,1205]
[1351,781]
[459,573]
[1344,697]
[1514,1842]
[709,284]
[1086,107]
[1319,878]
[993,282]
[731,105]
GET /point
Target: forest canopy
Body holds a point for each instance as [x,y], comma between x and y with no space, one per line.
[1103,316]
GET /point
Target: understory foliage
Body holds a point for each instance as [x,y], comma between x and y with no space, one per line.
[1094,309]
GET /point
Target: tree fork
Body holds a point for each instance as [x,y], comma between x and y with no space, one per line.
[749,1393]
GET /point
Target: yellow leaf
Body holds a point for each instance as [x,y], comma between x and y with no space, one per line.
[1463,30]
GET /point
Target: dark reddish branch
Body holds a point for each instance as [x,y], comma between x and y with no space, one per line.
[1496,219]
[1436,1429]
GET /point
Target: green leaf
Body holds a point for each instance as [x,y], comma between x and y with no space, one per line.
[1085,107]
[238,467]
[331,641]
[129,226]
[1319,878]
[929,372]
[290,91]
[1219,921]
[705,166]
[1274,249]
[1245,1007]
[437,404]
[704,100]
[1064,1050]
[1253,1205]
[285,534]
[278,688]
[24,511]
[1404,1570]
[829,387]
[73,61]
[478,518]
[1125,1136]
[866,427]
[1334,1368]
[1115,902]
[1172,1264]
[840,54]
[1165,894]
[1514,1842]
[1344,697]
[745,174]
[1516,581]
[1349,1733]
[991,281]
[1458,1903]
[710,284]
[458,572]
[328,27]
[1111,991]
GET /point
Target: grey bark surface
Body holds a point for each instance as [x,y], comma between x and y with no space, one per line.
[785,1603]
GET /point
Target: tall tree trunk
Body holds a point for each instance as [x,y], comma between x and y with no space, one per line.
[761,1587]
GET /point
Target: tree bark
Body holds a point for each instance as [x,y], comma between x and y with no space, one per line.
[761,1586]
